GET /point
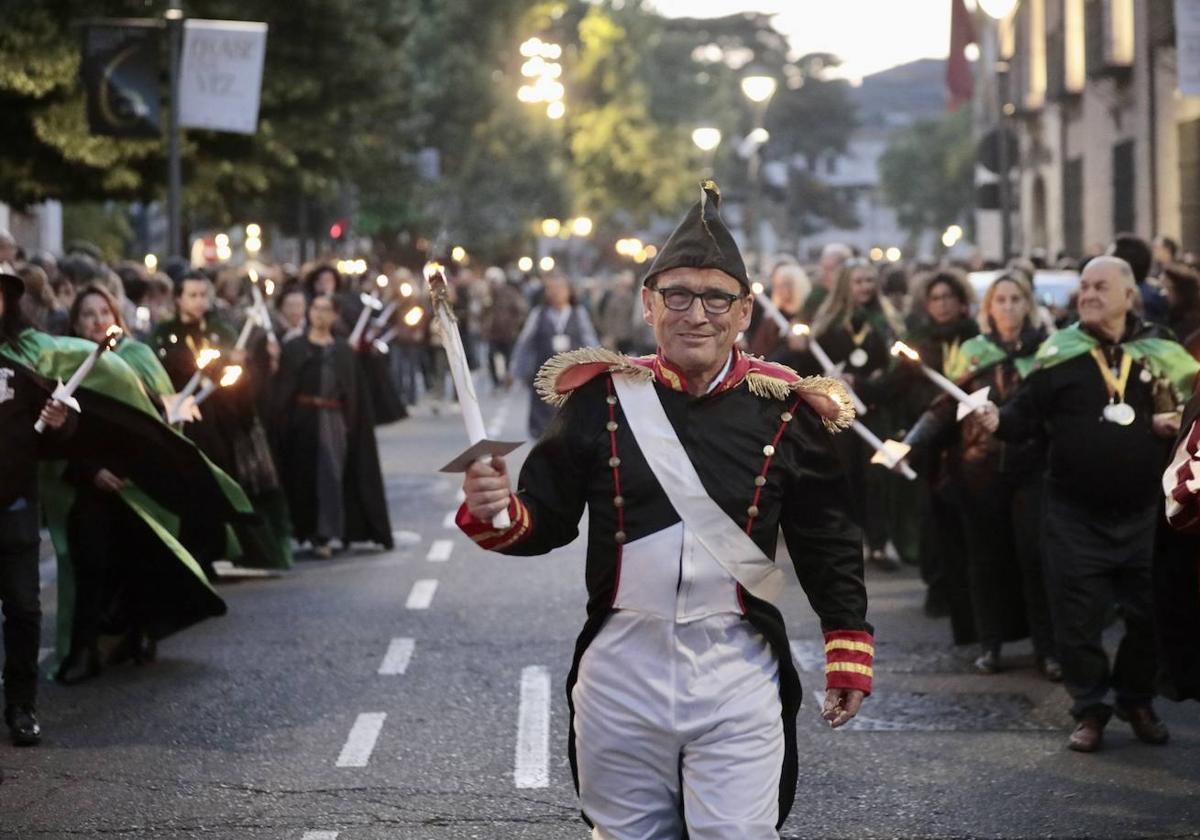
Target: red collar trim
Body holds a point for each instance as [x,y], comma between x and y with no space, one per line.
[670,376]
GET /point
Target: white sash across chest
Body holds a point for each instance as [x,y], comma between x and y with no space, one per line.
[729,545]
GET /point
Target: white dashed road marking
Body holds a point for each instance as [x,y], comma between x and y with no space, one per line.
[396,660]
[361,741]
[320,835]
[440,551]
[421,595]
[532,768]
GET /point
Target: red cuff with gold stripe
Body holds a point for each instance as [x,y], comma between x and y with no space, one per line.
[491,538]
[849,659]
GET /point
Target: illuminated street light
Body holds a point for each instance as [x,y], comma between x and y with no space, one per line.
[706,138]
[582,226]
[151,262]
[951,237]
[551,227]
[525,264]
[997,9]
[222,240]
[758,88]
[876,254]
[759,136]
[253,231]
[253,245]
[458,253]
[526,93]
[534,67]
[893,254]
[531,47]
[556,110]
[546,263]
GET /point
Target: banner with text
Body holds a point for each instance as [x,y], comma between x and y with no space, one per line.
[220,74]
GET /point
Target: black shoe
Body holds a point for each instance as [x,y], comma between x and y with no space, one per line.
[23,726]
[1144,723]
[81,664]
[988,662]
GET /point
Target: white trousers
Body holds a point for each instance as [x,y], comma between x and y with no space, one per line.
[669,713]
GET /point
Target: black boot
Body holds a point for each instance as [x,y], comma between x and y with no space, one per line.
[81,664]
[23,725]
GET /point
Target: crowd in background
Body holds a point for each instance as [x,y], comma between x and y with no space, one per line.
[312,360]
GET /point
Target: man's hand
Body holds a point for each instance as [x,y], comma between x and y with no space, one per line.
[487,488]
[1166,424]
[108,482]
[989,417]
[841,704]
[54,414]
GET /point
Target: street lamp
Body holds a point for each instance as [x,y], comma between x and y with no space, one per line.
[706,138]
[758,89]
[997,9]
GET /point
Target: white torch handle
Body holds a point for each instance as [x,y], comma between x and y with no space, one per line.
[192,384]
[264,316]
[359,326]
[949,387]
[244,335]
[873,440]
[383,316]
[467,400]
[63,393]
[831,370]
[773,312]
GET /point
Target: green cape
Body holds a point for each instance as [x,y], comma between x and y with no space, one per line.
[1165,359]
[182,583]
[981,353]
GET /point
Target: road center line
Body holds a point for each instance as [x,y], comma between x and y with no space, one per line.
[361,741]
[421,595]
[532,768]
[440,551]
[396,660]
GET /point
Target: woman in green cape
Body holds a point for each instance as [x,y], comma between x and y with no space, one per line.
[124,570]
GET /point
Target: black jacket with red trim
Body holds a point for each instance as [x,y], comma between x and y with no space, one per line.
[765,456]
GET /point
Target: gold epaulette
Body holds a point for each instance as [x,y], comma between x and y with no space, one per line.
[564,372]
[828,397]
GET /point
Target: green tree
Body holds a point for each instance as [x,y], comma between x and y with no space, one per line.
[927,173]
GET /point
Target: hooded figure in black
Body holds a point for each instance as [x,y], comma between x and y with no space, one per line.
[325,439]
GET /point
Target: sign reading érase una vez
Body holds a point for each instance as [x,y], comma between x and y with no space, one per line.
[220,74]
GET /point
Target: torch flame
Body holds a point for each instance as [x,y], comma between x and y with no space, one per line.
[111,336]
[432,269]
[206,357]
[382,281]
[902,349]
[413,316]
[406,290]
[800,329]
[269,287]
[230,375]
[253,276]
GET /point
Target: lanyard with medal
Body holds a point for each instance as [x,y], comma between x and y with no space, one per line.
[858,356]
[1117,411]
[561,342]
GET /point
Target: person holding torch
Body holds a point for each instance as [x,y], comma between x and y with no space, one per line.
[683,693]
[1106,392]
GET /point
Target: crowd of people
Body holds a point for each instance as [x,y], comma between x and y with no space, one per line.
[1035,516]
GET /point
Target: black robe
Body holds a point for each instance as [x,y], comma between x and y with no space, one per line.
[298,442]
[1176,578]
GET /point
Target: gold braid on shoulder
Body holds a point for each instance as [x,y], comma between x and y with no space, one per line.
[546,381]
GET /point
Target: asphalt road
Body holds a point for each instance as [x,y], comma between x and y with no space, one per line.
[418,694]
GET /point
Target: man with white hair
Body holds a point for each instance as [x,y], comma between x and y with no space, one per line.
[1106,394]
[8,251]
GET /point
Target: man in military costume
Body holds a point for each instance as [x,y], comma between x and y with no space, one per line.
[1106,393]
[683,694]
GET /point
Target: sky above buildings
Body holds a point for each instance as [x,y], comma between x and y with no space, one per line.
[869,35]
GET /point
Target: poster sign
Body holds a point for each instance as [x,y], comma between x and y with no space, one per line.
[220,74]
[120,69]
[1187,45]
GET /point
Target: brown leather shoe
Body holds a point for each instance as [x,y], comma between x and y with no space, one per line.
[1145,724]
[1087,735]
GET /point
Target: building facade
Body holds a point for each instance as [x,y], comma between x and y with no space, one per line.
[1106,143]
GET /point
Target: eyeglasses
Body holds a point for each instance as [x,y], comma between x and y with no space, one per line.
[678,299]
